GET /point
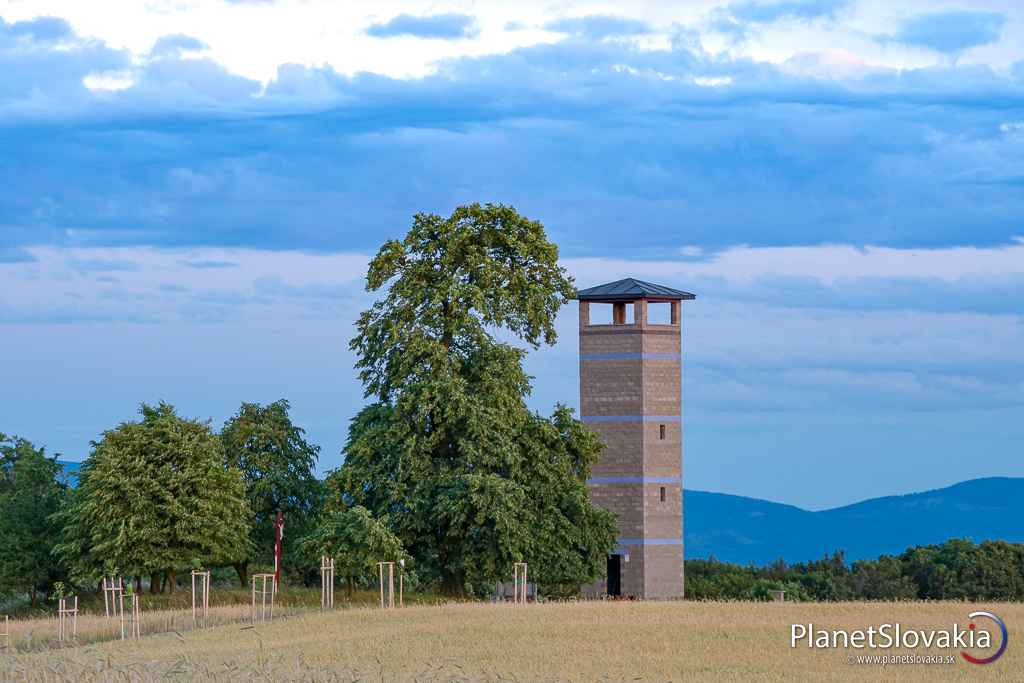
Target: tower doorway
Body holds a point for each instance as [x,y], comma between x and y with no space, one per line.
[614,576]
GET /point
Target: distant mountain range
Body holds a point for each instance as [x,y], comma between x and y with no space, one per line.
[744,530]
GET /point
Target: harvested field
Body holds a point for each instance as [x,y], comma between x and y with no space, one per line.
[555,641]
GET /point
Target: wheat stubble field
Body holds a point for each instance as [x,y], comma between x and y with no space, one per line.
[558,641]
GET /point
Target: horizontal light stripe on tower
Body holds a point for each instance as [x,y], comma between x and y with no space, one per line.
[630,418]
[650,541]
[630,356]
[634,480]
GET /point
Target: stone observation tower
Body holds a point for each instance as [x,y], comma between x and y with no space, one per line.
[630,395]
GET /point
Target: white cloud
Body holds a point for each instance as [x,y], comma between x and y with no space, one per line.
[713,81]
[827,264]
[156,282]
[111,81]
[325,32]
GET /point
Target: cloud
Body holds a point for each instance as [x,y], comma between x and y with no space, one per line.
[737,18]
[41,29]
[99,265]
[15,255]
[210,264]
[44,64]
[176,44]
[613,146]
[434,26]
[766,12]
[596,26]
[952,31]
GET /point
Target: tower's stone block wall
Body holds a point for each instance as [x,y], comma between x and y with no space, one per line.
[630,394]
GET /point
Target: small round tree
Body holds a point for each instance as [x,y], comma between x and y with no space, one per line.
[153,496]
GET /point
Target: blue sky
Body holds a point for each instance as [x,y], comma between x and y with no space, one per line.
[186,211]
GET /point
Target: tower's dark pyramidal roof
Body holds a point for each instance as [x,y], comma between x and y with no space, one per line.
[631,290]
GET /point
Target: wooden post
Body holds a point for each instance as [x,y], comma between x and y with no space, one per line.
[520,587]
[391,585]
[113,591]
[390,601]
[326,582]
[65,615]
[121,603]
[134,629]
[265,612]
[200,603]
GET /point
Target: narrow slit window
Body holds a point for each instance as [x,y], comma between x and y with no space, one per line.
[662,494]
[661,432]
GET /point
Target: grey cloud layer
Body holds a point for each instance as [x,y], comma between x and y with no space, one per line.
[609,145]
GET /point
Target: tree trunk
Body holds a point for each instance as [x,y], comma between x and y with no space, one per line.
[453,585]
[243,573]
[350,583]
[172,580]
[33,594]
[163,581]
[154,583]
[138,584]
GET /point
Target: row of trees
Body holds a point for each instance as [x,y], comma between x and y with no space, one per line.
[446,466]
[156,496]
[955,570]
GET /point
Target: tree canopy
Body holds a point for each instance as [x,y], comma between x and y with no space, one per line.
[356,540]
[277,465]
[153,497]
[31,492]
[955,570]
[470,479]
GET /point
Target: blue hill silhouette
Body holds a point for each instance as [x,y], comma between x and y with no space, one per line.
[745,530]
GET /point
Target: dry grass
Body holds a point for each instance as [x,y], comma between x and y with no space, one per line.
[165,613]
[567,641]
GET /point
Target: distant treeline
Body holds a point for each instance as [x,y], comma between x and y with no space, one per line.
[955,570]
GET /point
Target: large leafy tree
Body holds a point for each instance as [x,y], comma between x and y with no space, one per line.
[31,492]
[469,478]
[277,464]
[154,497]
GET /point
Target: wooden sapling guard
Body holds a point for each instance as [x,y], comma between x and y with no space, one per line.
[200,597]
[131,628]
[67,619]
[265,610]
[519,586]
[387,590]
[326,582]
[113,596]
[401,582]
